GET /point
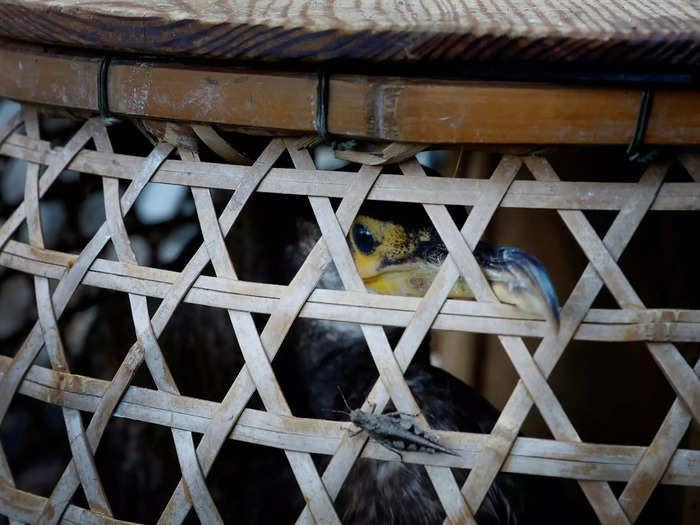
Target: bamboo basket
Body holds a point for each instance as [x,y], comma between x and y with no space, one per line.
[187,108]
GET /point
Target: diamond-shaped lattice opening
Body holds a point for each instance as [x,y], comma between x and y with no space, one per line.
[664,247]
[101,320]
[162,226]
[329,356]
[494,379]
[201,350]
[614,391]
[140,468]
[11,184]
[18,306]
[244,477]
[127,139]
[72,211]
[33,435]
[270,238]
[64,227]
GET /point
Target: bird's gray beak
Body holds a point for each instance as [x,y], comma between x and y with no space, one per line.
[519,278]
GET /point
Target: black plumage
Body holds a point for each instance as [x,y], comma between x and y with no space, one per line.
[334,356]
[396,492]
[316,358]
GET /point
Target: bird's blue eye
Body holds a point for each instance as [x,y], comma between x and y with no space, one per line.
[364,240]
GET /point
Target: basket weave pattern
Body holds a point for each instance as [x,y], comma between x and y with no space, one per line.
[642,468]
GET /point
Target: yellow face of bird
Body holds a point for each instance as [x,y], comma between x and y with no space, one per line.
[393,259]
[404,258]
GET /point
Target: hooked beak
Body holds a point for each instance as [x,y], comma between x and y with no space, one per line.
[518,277]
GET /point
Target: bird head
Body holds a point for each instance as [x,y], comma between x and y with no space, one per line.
[402,255]
[392,257]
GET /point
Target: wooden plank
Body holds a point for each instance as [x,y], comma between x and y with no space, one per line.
[382,108]
[629,32]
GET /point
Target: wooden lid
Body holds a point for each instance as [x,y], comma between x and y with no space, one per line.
[633,33]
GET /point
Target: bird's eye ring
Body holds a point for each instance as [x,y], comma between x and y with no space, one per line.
[364,240]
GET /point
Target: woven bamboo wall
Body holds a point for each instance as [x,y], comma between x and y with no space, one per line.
[57,275]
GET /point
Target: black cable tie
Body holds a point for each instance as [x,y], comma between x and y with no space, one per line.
[636,151]
[321,122]
[102,100]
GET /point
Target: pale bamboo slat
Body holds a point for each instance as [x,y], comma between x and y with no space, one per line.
[203,502]
[551,347]
[432,190]
[80,448]
[68,483]
[333,305]
[275,329]
[257,363]
[597,461]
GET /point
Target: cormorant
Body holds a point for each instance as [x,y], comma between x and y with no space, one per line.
[398,253]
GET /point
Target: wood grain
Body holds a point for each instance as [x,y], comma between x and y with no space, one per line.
[380,108]
[631,32]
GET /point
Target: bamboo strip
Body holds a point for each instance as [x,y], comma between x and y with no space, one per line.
[656,459]
[257,362]
[551,347]
[655,462]
[34,341]
[433,190]
[390,372]
[566,459]
[5,472]
[218,145]
[272,336]
[429,306]
[67,485]
[599,494]
[203,502]
[80,448]
[335,305]
[691,162]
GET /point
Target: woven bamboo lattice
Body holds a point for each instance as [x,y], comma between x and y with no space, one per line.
[593,465]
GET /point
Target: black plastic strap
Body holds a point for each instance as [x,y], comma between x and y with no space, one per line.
[102,77]
[636,151]
[322,89]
